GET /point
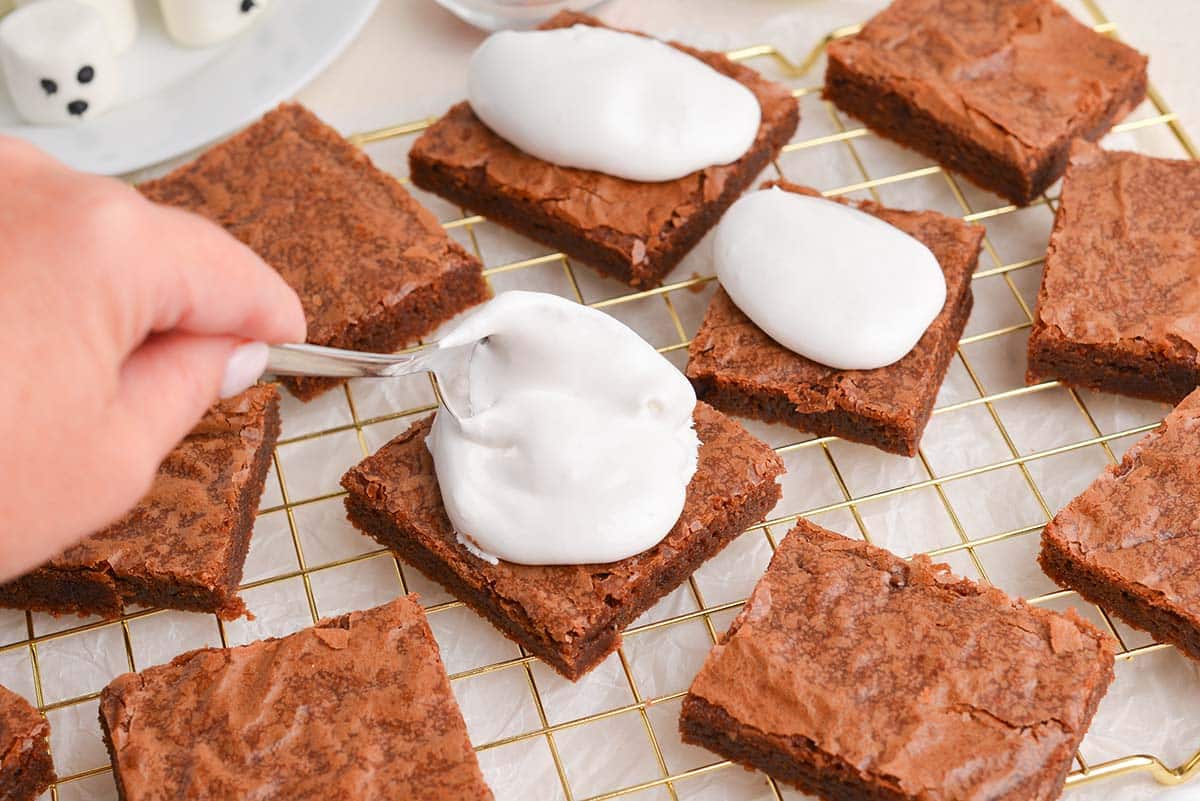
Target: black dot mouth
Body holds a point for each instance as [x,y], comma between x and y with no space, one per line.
[247,5]
[76,108]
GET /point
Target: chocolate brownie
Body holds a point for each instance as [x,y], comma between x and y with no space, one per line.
[358,706]
[1131,541]
[26,769]
[854,674]
[634,231]
[737,367]
[1119,308]
[373,268]
[570,616]
[184,544]
[995,89]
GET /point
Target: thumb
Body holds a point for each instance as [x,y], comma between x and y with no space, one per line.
[168,383]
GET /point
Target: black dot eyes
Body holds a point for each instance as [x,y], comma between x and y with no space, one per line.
[247,5]
[49,86]
[85,74]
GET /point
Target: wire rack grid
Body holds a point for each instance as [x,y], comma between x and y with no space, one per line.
[293,575]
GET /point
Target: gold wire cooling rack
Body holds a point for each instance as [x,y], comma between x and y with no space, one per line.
[845,137]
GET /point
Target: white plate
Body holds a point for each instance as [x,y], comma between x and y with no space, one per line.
[175,99]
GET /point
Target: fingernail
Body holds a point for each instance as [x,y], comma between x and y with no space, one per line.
[244,367]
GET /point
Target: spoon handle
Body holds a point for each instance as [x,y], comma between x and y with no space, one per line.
[321,362]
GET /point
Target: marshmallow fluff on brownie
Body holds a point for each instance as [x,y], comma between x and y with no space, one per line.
[569,481]
[571,440]
[649,112]
[833,317]
[614,148]
[826,280]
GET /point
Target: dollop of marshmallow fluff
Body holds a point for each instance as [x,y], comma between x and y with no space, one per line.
[827,281]
[614,102]
[575,442]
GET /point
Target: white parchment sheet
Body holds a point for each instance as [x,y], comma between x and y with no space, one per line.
[993,463]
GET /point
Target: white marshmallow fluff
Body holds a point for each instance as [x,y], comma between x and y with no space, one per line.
[58,61]
[576,443]
[614,102]
[202,23]
[120,18]
[827,281]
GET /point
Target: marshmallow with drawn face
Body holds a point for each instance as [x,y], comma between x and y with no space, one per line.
[58,61]
[119,15]
[200,23]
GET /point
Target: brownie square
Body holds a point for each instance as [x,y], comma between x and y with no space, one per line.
[1131,541]
[632,230]
[737,367]
[570,616]
[854,674]
[1119,308]
[994,89]
[358,706]
[183,546]
[26,769]
[375,271]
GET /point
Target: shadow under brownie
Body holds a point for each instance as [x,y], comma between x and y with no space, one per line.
[26,769]
[356,707]
[183,546]
[738,368]
[374,269]
[1131,541]
[854,674]
[993,89]
[631,230]
[1119,307]
[570,616]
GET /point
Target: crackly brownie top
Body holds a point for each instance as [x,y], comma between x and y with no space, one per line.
[182,530]
[22,728]
[1140,520]
[1019,75]
[731,346]
[346,236]
[358,706]
[645,212]
[933,684]
[566,601]
[1124,257]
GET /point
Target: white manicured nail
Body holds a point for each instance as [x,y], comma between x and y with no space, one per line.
[244,367]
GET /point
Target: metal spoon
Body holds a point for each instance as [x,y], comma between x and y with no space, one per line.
[316,361]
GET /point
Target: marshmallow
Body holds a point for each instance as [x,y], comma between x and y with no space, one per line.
[200,23]
[58,61]
[120,16]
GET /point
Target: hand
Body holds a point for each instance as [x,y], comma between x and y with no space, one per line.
[118,320]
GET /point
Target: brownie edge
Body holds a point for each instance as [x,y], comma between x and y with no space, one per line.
[26,769]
